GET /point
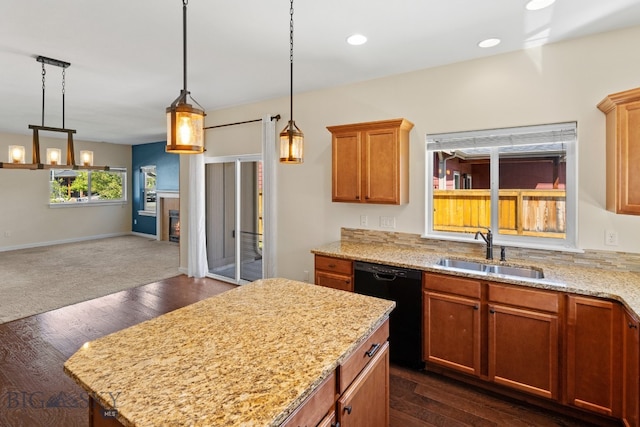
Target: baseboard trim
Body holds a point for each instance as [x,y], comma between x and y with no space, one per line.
[60,242]
[149,236]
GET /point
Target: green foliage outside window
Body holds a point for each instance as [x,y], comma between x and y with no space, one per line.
[68,186]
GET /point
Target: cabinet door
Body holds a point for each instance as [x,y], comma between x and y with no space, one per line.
[366,402]
[593,355]
[628,158]
[631,372]
[452,332]
[523,350]
[381,177]
[346,182]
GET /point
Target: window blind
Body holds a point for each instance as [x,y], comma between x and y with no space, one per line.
[503,137]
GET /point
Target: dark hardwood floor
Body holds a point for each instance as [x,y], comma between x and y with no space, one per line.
[34,391]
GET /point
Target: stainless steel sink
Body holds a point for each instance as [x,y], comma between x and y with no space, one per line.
[465,265]
[515,271]
[527,272]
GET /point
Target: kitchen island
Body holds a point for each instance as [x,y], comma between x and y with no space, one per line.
[250,356]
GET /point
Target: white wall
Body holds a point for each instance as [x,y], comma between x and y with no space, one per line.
[556,83]
[25,214]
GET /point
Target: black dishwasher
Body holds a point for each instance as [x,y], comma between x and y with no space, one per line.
[404,286]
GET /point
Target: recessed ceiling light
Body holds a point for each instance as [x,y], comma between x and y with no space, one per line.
[356,39]
[489,43]
[539,4]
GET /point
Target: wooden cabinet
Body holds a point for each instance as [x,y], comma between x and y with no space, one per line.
[623,151]
[370,162]
[631,371]
[366,401]
[356,394]
[523,339]
[594,355]
[451,330]
[334,273]
[315,407]
[517,343]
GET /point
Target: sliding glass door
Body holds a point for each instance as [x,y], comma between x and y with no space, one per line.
[234,212]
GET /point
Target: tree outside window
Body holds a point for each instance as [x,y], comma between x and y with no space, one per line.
[79,186]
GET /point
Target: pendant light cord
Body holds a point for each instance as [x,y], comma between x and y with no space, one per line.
[291,63]
[184,46]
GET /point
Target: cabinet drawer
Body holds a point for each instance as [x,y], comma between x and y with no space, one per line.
[335,281]
[334,265]
[316,406]
[452,285]
[353,365]
[525,298]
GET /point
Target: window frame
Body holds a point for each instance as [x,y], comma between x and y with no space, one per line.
[569,243]
[145,170]
[89,201]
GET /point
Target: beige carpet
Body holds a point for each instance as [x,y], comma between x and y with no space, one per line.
[40,279]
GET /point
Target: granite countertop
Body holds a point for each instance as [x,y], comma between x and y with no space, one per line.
[591,281]
[249,356]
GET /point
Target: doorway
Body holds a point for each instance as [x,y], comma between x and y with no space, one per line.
[235,220]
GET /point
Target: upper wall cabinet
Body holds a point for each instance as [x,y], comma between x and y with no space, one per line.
[370,162]
[623,151]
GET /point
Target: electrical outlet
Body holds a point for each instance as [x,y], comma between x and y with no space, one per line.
[364,220]
[611,238]
[387,222]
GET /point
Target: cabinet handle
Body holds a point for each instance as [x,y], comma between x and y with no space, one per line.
[633,326]
[336,424]
[332,266]
[476,307]
[492,311]
[348,281]
[347,409]
[374,348]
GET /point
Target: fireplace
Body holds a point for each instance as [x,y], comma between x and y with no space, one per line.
[174,225]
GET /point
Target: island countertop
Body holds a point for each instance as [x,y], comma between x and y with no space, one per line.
[246,357]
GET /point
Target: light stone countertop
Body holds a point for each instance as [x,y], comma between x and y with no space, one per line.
[591,281]
[246,357]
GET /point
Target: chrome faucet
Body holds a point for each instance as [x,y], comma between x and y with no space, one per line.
[488,240]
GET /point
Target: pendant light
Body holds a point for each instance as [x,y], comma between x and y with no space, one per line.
[291,138]
[185,123]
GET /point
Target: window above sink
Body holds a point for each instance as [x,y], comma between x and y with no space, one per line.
[519,182]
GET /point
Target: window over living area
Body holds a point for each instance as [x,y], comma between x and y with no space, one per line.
[518,182]
[82,187]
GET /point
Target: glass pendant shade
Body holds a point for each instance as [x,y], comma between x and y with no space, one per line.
[86,157]
[185,134]
[53,156]
[291,144]
[16,154]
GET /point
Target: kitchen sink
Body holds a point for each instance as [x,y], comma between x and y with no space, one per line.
[526,272]
[464,265]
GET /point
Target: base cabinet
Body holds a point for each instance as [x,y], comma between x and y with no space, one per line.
[631,371]
[594,355]
[523,340]
[359,396]
[452,332]
[334,273]
[366,402]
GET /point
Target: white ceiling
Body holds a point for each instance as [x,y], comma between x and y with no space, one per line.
[126,56]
